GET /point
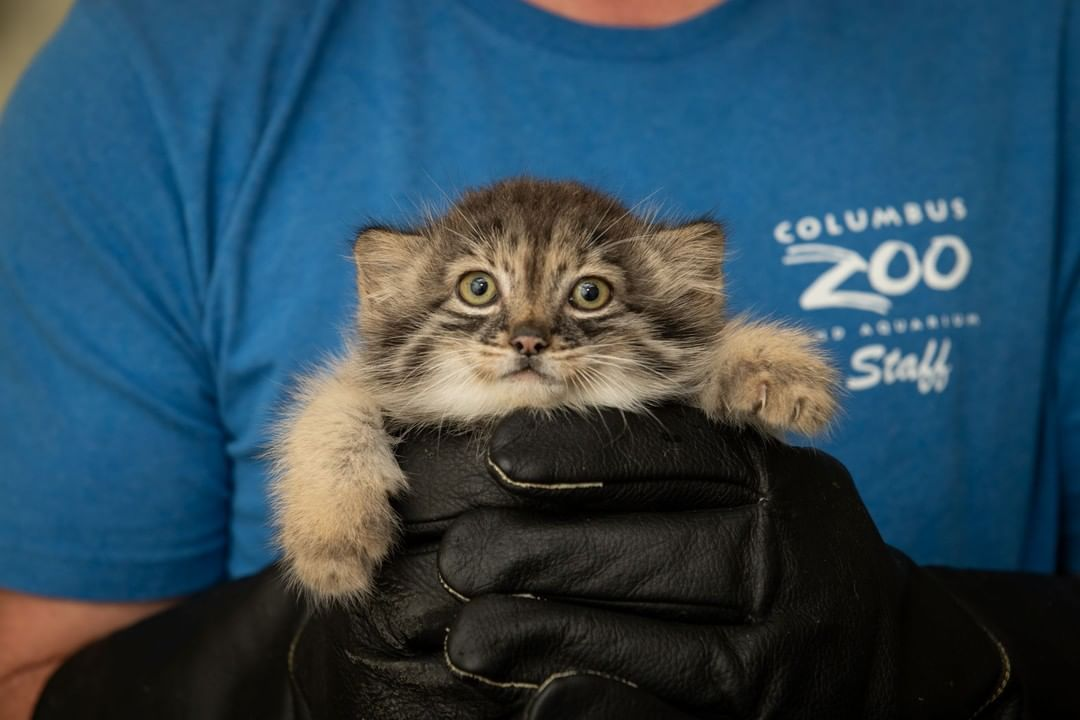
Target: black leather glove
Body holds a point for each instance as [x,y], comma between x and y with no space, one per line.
[730,576]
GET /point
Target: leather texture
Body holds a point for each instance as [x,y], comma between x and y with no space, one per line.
[726,573]
[1037,619]
[597,698]
[609,566]
[222,654]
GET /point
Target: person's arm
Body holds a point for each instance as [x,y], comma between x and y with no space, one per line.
[114,477]
[40,633]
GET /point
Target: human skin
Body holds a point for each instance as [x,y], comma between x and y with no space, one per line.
[626,13]
[40,633]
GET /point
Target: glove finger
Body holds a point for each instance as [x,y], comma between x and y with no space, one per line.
[593,697]
[336,680]
[672,457]
[696,566]
[515,642]
[410,610]
[447,475]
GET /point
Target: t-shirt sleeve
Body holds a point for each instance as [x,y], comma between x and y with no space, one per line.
[114,483]
[1068,361]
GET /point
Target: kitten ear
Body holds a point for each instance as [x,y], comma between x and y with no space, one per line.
[694,250]
[686,263]
[387,260]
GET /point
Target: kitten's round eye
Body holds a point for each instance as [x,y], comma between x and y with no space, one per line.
[590,294]
[477,288]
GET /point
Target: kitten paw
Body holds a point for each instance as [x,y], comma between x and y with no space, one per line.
[773,377]
[334,472]
[335,521]
[335,559]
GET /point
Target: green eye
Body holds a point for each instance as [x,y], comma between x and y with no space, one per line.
[477,288]
[590,294]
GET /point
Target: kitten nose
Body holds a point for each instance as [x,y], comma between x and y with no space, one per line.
[528,340]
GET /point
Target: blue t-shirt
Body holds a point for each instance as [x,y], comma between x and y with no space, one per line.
[179,184]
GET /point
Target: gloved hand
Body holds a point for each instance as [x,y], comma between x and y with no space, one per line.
[726,575]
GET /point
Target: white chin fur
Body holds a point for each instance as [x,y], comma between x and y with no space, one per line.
[474,398]
[464,396]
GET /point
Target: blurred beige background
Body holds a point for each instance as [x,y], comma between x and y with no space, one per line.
[24,25]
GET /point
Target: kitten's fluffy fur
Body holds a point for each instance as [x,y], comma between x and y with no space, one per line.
[428,357]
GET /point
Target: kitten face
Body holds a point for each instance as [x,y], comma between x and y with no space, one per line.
[535,294]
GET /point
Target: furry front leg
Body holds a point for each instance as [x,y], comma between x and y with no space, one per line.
[771,376]
[334,475]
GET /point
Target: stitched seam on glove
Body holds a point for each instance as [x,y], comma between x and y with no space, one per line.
[291,661]
[475,676]
[1003,654]
[458,596]
[596,673]
[503,477]
[522,684]
[454,593]
[1006,671]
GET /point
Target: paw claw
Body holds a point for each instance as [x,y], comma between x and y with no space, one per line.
[763,397]
[778,405]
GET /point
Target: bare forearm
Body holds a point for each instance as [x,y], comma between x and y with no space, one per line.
[20,690]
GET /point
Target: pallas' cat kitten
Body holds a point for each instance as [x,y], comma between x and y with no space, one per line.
[524,294]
